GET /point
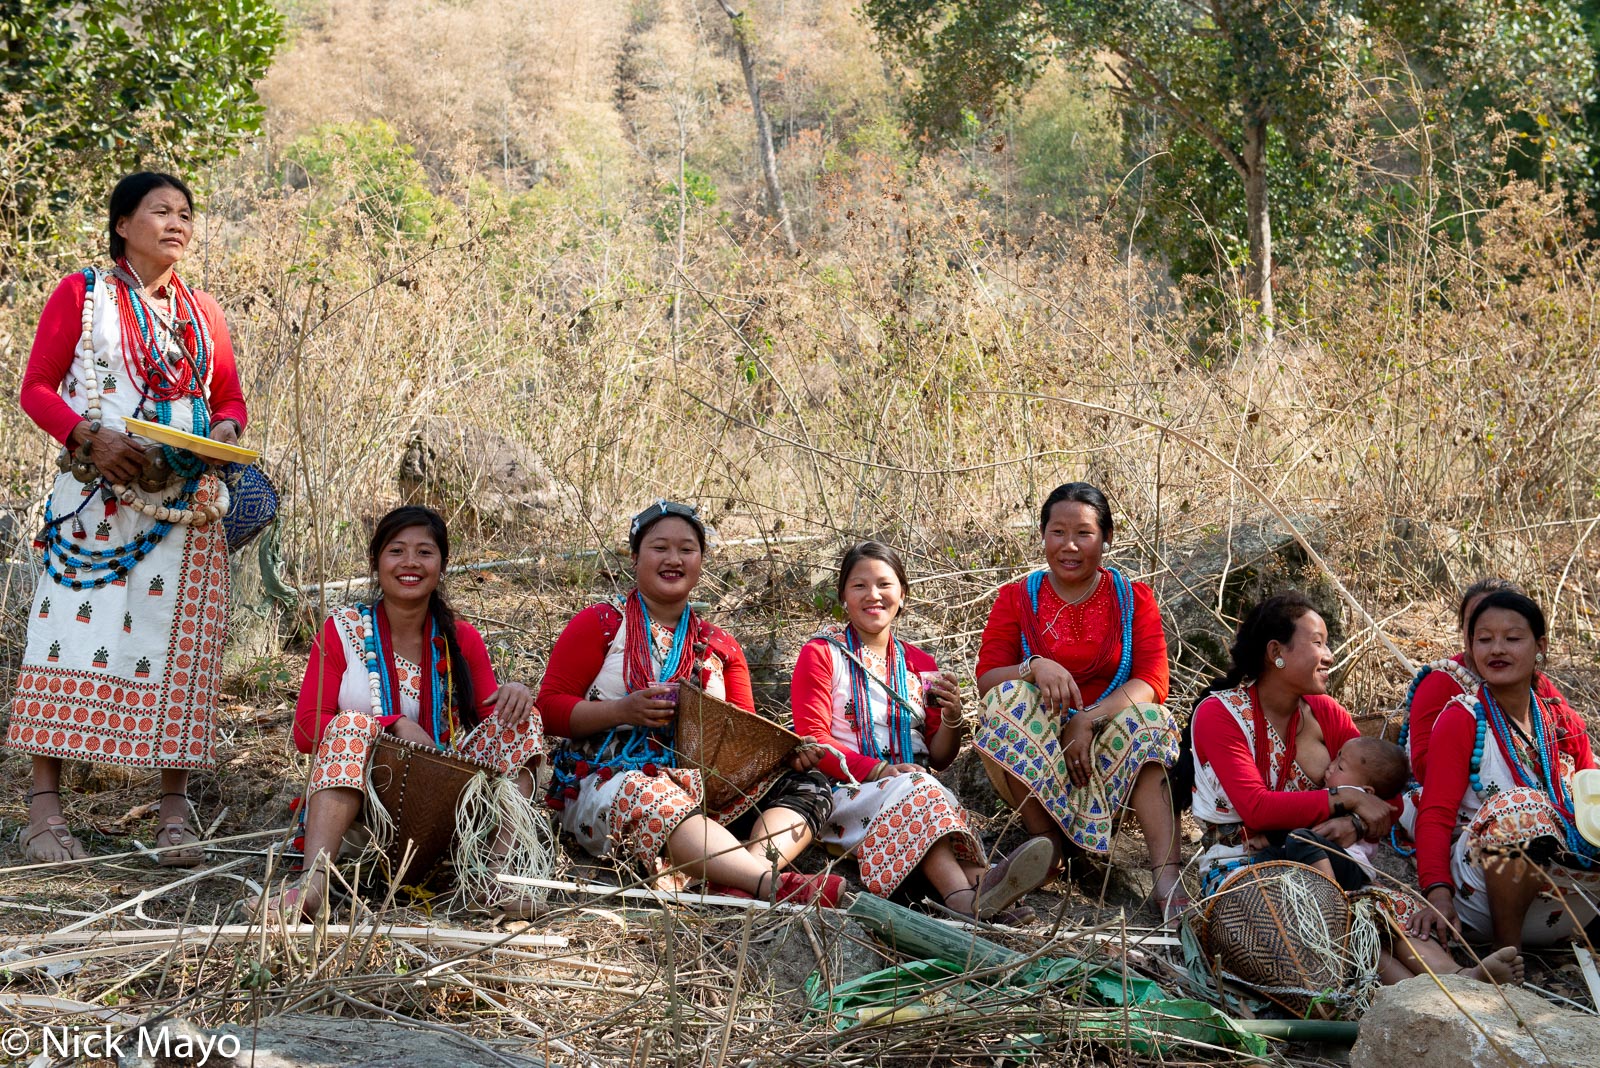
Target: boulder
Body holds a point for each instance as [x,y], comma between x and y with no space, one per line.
[1471,1023]
[305,1042]
[474,475]
[1253,560]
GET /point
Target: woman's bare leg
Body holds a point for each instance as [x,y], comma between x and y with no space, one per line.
[778,837]
[1513,884]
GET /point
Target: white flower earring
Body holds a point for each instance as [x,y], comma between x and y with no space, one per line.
[1538,658]
[1278,663]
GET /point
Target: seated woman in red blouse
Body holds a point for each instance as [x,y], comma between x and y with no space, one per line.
[1499,784]
[1263,742]
[407,666]
[1439,683]
[1073,669]
[884,705]
[610,690]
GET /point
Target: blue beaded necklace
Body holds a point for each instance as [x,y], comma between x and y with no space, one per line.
[112,565]
[1487,712]
[636,748]
[444,724]
[897,682]
[1124,591]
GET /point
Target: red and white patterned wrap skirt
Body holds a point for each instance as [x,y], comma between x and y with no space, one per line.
[341,757]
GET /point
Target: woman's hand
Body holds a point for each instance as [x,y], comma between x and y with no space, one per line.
[117,456]
[1057,688]
[945,688]
[652,707]
[1373,810]
[513,703]
[889,771]
[807,755]
[407,730]
[1077,745]
[225,431]
[1341,831]
[1438,918]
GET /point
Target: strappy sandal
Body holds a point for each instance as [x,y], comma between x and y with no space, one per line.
[61,837]
[56,826]
[512,905]
[180,846]
[1026,869]
[1013,916]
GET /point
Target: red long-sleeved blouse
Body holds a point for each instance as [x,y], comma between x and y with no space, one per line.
[811,703]
[318,703]
[55,346]
[1093,652]
[1450,776]
[580,652]
[1219,742]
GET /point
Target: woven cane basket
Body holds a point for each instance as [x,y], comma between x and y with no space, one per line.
[420,787]
[732,749]
[1255,927]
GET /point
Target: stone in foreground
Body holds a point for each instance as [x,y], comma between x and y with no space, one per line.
[1414,1023]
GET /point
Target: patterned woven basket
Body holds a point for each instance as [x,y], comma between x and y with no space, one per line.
[420,787]
[1256,927]
[732,749]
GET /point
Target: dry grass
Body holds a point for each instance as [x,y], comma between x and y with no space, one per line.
[925,372]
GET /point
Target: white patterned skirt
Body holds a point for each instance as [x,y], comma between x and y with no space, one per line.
[889,825]
[127,673]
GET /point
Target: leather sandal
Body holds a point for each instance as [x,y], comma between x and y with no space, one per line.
[180,846]
[60,840]
[1026,869]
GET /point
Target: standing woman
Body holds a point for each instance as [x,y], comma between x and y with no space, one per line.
[610,689]
[884,705]
[125,636]
[1497,850]
[1073,669]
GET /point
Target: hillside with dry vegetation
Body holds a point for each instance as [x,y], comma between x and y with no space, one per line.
[519,260]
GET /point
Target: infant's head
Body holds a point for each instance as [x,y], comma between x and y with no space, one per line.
[1372,763]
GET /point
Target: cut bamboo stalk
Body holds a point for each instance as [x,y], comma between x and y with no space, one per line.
[913,933]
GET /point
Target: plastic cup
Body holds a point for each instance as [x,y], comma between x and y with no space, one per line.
[929,697]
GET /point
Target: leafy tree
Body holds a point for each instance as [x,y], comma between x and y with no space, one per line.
[1241,88]
[91,91]
[367,167]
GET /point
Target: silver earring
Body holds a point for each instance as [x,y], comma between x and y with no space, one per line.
[1278,663]
[1538,658]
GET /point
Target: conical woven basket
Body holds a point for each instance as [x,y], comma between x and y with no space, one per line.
[1261,926]
[732,749]
[420,787]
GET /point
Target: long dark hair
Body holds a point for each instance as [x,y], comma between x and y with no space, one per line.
[1273,620]
[129,194]
[872,550]
[1079,493]
[444,617]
